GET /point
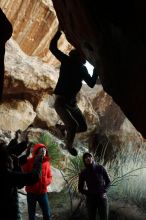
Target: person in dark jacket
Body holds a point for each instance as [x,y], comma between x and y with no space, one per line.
[93,183]
[38,191]
[11,180]
[72,73]
[5,34]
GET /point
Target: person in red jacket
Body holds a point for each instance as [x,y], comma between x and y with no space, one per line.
[38,191]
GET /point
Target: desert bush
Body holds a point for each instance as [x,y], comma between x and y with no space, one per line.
[53,149]
[72,172]
[128,174]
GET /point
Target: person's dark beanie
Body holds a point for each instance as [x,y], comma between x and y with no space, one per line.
[87,154]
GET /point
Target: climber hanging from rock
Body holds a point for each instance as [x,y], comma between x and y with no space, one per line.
[5,34]
[72,73]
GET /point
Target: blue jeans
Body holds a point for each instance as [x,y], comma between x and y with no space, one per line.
[43,201]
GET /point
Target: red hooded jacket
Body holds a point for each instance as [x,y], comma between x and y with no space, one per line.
[46,178]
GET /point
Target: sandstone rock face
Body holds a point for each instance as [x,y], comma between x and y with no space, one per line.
[16,115]
[32,21]
[34,24]
[46,112]
[86,107]
[92,118]
[26,75]
[111,116]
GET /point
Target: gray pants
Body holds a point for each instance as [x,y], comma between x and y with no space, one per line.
[71,116]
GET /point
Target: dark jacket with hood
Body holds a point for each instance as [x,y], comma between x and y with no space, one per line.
[96,179]
[10,180]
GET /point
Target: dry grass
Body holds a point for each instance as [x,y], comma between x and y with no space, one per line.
[128,174]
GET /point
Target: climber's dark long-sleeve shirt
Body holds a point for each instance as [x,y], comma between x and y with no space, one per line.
[71,73]
[96,179]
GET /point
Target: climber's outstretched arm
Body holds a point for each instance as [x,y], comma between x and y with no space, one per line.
[54,49]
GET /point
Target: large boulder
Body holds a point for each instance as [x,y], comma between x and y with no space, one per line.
[26,76]
[16,115]
[46,112]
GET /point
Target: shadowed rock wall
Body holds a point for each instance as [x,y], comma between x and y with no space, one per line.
[112,36]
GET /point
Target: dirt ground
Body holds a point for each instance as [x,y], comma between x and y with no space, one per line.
[61,209]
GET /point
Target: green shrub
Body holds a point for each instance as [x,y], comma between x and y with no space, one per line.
[53,149]
[128,174]
[72,172]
